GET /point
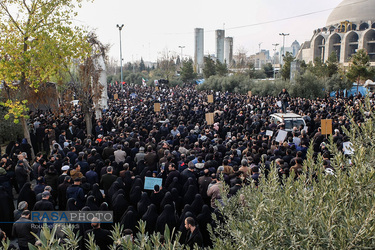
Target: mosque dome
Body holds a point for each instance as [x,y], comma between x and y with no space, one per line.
[355,11]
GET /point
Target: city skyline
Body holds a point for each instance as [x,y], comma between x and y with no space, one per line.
[152,29]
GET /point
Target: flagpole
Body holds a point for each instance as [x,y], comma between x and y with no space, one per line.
[120,28]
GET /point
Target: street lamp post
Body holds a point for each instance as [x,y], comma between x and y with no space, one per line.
[284,35]
[119,29]
[274,51]
[181,47]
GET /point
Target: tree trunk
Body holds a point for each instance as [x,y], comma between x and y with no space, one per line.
[26,134]
[358,84]
[88,123]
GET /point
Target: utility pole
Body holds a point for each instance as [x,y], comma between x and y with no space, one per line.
[274,52]
[284,35]
[260,61]
[120,28]
[181,47]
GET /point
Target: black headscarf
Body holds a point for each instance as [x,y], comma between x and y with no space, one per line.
[143,172]
[70,205]
[197,204]
[130,208]
[203,219]
[83,227]
[190,195]
[27,194]
[135,195]
[104,207]
[150,217]
[189,182]
[120,191]
[129,221]
[119,206]
[177,200]
[95,191]
[175,184]
[168,199]
[128,183]
[6,210]
[114,188]
[143,204]
[137,183]
[167,217]
[187,208]
[91,203]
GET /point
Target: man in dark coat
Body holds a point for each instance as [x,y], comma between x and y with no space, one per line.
[62,138]
[61,190]
[92,176]
[44,204]
[189,172]
[102,237]
[284,96]
[108,151]
[172,173]
[151,158]
[193,236]
[22,231]
[107,180]
[51,178]
[22,174]
[76,192]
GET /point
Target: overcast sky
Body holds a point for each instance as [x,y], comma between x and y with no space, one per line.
[153,27]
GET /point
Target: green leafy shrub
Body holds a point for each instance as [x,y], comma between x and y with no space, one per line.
[316,211]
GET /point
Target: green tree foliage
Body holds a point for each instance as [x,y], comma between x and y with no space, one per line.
[332,64]
[209,68]
[319,69]
[235,83]
[307,85]
[8,130]
[254,73]
[337,82]
[142,65]
[241,83]
[187,71]
[167,66]
[359,68]
[285,70]
[135,78]
[221,68]
[324,69]
[319,211]
[36,41]
[269,88]
[268,70]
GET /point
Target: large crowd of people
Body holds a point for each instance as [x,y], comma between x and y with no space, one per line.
[106,169]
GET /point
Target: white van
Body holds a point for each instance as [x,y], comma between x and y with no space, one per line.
[290,120]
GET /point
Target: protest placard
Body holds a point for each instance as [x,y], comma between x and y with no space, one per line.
[269,133]
[326,126]
[151,182]
[347,146]
[210,118]
[281,136]
[157,107]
